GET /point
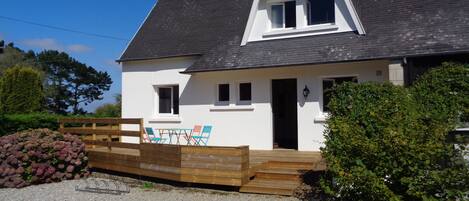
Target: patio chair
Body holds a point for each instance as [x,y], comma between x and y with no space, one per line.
[152,136]
[204,136]
[195,132]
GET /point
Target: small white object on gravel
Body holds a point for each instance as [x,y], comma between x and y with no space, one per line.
[65,191]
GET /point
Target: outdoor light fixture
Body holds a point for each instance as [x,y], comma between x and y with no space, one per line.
[305,92]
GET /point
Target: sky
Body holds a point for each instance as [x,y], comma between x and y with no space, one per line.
[114,18]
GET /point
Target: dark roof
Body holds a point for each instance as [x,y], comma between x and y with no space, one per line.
[214,29]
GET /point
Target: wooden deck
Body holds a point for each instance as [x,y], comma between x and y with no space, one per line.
[254,171]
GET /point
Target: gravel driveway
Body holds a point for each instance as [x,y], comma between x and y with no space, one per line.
[65,191]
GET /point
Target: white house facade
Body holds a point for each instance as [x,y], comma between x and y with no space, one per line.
[260,71]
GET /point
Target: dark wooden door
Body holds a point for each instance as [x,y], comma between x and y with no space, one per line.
[284,108]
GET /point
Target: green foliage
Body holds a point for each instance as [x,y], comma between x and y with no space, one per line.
[71,83]
[21,91]
[384,143]
[110,109]
[13,123]
[443,93]
[13,56]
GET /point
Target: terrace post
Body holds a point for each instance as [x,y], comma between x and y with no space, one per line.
[141,131]
[94,135]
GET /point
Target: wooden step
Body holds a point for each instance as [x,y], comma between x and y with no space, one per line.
[270,186]
[291,165]
[279,174]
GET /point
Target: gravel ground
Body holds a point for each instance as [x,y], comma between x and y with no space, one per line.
[65,191]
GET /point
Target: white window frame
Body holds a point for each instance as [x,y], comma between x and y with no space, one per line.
[238,93]
[217,94]
[269,6]
[322,87]
[307,11]
[157,101]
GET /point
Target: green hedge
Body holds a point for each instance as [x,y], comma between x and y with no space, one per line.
[385,142]
[13,123]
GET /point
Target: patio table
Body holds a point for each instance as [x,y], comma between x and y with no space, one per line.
[178,132]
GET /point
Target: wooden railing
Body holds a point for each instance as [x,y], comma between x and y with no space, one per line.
[193,164]
[100,131]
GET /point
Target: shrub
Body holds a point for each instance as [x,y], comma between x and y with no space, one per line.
[443,93]
[21,91]
[380,146]
[18,122]
[40,156]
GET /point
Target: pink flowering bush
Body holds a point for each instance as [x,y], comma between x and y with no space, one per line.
[40,156]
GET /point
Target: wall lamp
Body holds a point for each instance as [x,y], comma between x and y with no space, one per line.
[306,92]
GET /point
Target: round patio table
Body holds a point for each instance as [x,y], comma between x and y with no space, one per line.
[178,132]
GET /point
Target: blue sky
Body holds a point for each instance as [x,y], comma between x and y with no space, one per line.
[119,19]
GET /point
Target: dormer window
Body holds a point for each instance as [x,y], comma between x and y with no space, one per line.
[320,12]
[283,15]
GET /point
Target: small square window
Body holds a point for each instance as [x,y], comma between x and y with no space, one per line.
[245,91]
[223,92]
[327,86]
[320,11]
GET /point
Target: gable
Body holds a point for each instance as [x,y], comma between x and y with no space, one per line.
[345,19]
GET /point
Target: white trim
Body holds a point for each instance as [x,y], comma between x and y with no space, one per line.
[269,17]
[140,27]
[157,112]
[311,28]
[250,23]
[231,108]
[355,17]
[167,119]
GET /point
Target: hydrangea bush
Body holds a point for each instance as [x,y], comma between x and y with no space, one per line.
[40,156]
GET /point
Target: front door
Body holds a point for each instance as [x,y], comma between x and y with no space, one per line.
[284,108]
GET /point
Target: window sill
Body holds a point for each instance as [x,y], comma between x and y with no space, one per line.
[168,119]
[321,118]
[309,29]
[231,108]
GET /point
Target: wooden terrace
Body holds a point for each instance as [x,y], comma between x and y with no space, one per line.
[253,171]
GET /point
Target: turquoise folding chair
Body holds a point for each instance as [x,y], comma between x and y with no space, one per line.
[152,136]
[204,136]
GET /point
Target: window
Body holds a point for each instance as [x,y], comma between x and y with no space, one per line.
[327,86]
[168,99]
[283,15]
[223,92]
[320,11]
[245,92]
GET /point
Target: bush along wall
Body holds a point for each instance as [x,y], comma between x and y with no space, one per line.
[13,123]
[384,143]
[40,156]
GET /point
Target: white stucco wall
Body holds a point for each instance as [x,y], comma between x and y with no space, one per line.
[235,124]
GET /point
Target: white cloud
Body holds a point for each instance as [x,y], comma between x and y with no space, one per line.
[52,44]
[43,43]
[78,48]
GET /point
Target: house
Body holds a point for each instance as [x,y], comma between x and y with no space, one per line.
[259,71]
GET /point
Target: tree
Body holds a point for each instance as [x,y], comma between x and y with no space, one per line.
[110,109]
[13,56]
[71,83]
[21,91]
